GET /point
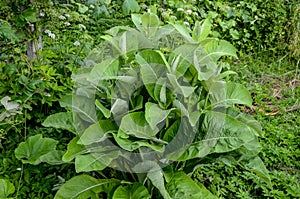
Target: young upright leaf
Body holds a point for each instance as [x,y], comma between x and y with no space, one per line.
[102,108]
[182,186]
[85,186]
[150,23]
[134,191]
[6,188]
[201,30]
[34,149]
[184,31]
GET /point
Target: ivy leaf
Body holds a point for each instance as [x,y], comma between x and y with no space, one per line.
[36,149]
[130,6]
[63,120]
[6,188]
[84,186]
[182,186]
[134,191]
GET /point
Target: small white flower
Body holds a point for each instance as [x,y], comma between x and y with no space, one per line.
[47,94]
[67,15]
[42,14]
[62,17]
[189,12]
[19,169]
[81,26]
[76,43]
[186,23]
[52,35]
[67,23]
[47,31]
[180,9]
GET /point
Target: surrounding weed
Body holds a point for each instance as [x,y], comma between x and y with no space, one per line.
[274,84]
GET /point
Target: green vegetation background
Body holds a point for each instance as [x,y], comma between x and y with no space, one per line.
[266,34]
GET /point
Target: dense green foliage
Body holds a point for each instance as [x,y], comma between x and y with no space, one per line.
[31,91]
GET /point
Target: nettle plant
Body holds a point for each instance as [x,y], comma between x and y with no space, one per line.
[149,107]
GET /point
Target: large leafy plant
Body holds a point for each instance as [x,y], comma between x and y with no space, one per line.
[150,105]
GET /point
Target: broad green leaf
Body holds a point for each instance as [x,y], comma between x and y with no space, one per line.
[134,191]
[224,94]
[201,30]
[216,49]
[237,94]
[137,20]
[135,124]
[184,31]
[182,186]
[82,106]
[73,150]
[6,188]
[53,157]
[119,107]
[97,132]
[151,68]
[150,23]
[34,148]
[235,131]
[195,55]
[105,69]
[84,187]
[155,115]
[63,120]
[129,145]
[171,131]
[157,179]
[94,161]
[186,91]
[130,6]
[102,108]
